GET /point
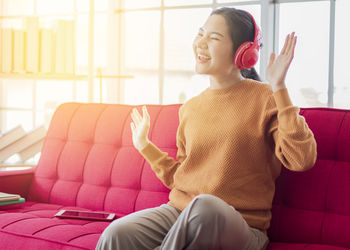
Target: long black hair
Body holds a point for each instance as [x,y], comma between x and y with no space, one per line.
[242,29]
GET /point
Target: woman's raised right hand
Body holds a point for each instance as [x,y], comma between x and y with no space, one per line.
[140,127]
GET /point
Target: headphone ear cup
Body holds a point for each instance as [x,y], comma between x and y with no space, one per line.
[250,57]
[239,55]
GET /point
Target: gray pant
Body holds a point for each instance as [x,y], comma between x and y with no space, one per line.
[206,223]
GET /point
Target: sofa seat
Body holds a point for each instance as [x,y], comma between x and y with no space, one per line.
[302,246]
[38,228]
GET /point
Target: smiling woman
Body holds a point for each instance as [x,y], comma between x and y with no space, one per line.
[222,133]
[228,40]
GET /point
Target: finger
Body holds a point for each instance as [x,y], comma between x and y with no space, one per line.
[285,45]
[292,48]
[134,118]
[145,113]
[290,44]
[132,127]
[294,44]
[272,58]
[137,115]
[137,118]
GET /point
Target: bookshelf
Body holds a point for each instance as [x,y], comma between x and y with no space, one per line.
[56,75]
[86,76]
[68,77]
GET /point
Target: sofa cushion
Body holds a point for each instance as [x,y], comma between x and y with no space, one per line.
[302,246]
[88,158]
[314,206]
[33,226]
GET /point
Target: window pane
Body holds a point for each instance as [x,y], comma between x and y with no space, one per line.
[44,118]
[82,91]
[81,41]
[142,89]
[16,94]
[11,119]
[52,93]
[55,7]
[98,87]
[186,2]
[342,55]
[180,88]
[141,4]
[307,78]
[17,7]
[179,36]
[100,43]
[142,39]
[83,5]
[233,1]
[102,5]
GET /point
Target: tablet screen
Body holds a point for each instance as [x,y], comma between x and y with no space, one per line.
[85,214]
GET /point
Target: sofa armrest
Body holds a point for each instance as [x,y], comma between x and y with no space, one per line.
[16,181]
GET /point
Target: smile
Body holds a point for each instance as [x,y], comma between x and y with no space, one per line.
[202,58]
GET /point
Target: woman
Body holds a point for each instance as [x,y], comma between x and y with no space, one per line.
[231,139]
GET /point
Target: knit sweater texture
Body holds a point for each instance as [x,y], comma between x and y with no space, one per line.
[232,143]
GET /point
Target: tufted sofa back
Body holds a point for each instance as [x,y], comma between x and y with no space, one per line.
[314,206]
[88,158]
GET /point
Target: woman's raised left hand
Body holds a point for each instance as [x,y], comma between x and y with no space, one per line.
[277,68]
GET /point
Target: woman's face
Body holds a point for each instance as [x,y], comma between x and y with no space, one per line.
[213,47]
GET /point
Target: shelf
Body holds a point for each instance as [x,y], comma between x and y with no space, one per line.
[59,76]
[6,167]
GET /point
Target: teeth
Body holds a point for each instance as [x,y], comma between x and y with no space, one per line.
[204,57]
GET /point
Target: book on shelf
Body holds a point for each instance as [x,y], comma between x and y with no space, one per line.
[69,47]
[9,197]
[11,136]
[32,44]
[24,142]
[6,50]
[47,51]
[60,47]
[0,50]
[19,51]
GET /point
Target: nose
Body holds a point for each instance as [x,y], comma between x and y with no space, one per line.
[202,42]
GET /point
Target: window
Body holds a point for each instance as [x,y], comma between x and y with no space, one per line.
[307,79]
[341,55]
[152,41]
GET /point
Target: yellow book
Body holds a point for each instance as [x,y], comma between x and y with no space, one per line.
[18,51]
[0,50]
[60,47]
[7,50]
[32,44]
[69,47]
[47,53]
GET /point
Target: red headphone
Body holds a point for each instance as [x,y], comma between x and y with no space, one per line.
[247,54]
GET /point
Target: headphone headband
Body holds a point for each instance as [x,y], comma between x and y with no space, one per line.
[247,53]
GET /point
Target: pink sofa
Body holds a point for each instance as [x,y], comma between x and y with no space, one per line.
[88,162]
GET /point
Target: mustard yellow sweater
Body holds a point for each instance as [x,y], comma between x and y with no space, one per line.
[231,143]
